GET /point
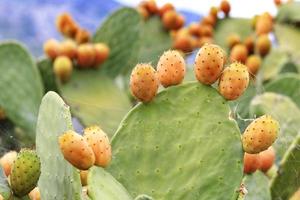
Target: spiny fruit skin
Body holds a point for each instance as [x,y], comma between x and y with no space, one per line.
[263,45]
[234,81]
[35,194]
[225,7]
[52,48]
[144,82]
[100,145]
[239,53]
[233,39]
[251,163]
[83,177]
[25,172]
[7,161]
[170,68]
[267,159]
[86,55]
[69,49]
[260,134]
[76,150]
[101,53]
[253,63]
[2,114]
[62,68]
[209,64]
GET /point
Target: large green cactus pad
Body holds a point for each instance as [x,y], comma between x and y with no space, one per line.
[257,185]
[286,182]
[227,26]
[59,179]
[287,84]
[154,40]
[283,109]
[182,145]
[95,99]
[46,70]
[289,12]
[21,89]
[121,31]
[101,185]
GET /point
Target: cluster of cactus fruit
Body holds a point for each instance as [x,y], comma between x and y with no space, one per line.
[76,49]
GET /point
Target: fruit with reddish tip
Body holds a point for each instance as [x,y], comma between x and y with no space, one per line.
[267,159]
[7,161]
[239,53]
[209,63]
[225,7]
[180,20]
[233,39]
[52,48]
[251,163]
[260,134]
[62,68]
[234,81]
[253,63]
[35,194]
[170,68]
[150,6]
[166,7]
[69,49]
[86,55]
[263,45]
[100,145]
[66,25]
[144,82]
[76,150]
[101,53]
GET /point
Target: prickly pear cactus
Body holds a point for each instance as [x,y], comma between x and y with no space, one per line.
[289,12]
[4,186]
[20,85]
[287,84]
[186,130]
[285,111]
[154,40]
[46,70]
[257,186]
[96,100]
[286,182]
[121,32]
[59,179]
[101,185]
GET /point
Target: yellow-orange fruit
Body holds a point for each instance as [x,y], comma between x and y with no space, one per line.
[263,45]
[52,48]
[253,21]
[277,2]
[83,177]
[69,49]
[144,82]
[183,42]
[143,12]
[234,81]
[70,30]
[225,7]
[76,150]
[239,53]
[205,40]
[180,20]
[209,64]
[194,29]
[233,39]
[100,144]
[260,134]
[170,68]
[35,194]
[214,11]
[86,55]
[82,36]
[166,7]
[253,63]
[172,21]
[62,20]
[2,114]
[7,161]
[62,68]
[151,6]
[206,30]
[251,163]
[267,159]
[249,43]
[264,25]
[101,53]
[209,20]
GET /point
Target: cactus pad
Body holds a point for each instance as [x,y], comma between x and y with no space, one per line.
[285,111]
[257,185]
[289,12]
[121,32]
[20,85]
[182,145]
[46,70]
[286,182]
[4,186]
[101,185]
[59,179]
[96,100]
